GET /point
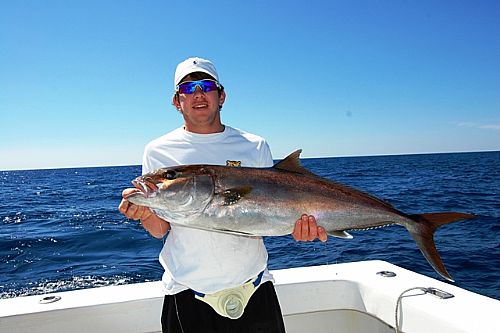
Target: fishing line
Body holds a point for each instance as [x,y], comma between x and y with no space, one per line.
[301,249]
[325,252]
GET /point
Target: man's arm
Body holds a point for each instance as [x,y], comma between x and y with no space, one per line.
[156,226]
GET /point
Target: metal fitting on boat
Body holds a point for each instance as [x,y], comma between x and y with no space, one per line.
[49,299]
[386,274]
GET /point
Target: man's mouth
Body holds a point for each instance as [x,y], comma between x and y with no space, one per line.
[200,106]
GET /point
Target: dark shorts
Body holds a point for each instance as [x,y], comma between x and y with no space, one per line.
[183,313]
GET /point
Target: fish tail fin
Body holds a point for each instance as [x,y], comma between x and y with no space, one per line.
[423,234]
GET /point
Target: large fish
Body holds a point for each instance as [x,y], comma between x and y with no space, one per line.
[268,201]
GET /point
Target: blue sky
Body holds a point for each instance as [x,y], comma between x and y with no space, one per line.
[89,83]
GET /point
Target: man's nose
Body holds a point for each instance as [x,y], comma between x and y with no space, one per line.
[198,89]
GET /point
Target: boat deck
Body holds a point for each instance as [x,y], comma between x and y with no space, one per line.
[349,297]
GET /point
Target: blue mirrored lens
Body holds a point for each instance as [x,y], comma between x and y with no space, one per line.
[190,87]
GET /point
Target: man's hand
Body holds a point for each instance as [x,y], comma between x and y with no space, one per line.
[306,229]
[132,211]
[156,226]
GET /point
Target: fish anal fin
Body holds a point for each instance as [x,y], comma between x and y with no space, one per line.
[233,195]
[340,234]
[423,234]
[292,163]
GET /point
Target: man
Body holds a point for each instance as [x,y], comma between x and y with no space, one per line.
[214,282]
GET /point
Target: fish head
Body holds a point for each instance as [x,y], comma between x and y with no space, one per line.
[177,192]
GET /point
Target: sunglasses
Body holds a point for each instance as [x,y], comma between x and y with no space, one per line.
[190,86]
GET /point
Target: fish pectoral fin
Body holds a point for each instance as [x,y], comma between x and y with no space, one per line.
[233,195]
[340,234]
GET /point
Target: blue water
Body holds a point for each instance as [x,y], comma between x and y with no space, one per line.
[60,229]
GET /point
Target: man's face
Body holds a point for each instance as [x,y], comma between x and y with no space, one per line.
[200,109]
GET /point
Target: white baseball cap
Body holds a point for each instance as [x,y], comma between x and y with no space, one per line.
[192,65]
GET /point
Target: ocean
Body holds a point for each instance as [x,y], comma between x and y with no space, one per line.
[60,229]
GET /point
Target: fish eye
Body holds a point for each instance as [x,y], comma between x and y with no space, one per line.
[170,174]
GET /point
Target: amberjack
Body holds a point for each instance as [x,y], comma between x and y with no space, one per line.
[268,201]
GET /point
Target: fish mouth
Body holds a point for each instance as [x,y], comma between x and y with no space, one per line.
[147,188]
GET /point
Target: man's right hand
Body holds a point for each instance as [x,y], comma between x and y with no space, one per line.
[156,226]
[130,210]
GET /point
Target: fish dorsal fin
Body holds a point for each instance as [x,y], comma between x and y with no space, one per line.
[292,163]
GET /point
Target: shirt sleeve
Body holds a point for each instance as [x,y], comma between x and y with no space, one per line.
[146,161]
[266,158]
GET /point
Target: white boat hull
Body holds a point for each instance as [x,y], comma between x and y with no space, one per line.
[348,297]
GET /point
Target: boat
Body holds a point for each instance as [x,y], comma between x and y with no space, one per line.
[366,296]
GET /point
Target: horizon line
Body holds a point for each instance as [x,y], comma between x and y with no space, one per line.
[275,159]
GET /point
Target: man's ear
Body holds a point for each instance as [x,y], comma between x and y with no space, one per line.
[176,103]
[222,98]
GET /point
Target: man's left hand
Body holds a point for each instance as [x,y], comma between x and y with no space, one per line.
[307,230]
